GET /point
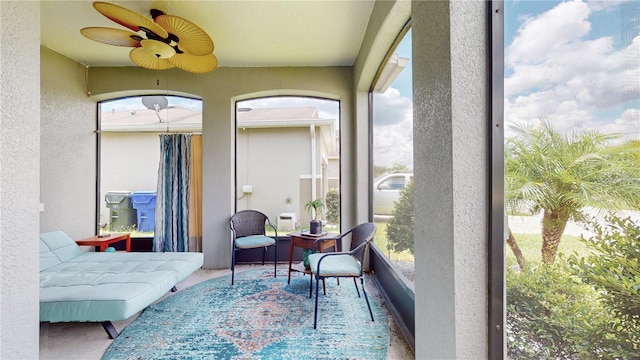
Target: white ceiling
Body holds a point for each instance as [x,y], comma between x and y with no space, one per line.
[245,33]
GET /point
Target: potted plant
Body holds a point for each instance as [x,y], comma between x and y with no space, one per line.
[315,225]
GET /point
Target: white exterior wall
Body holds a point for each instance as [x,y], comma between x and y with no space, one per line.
[19,179]
[68,148]
[129,162]
[274,158]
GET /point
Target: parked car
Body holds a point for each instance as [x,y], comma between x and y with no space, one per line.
[386,190]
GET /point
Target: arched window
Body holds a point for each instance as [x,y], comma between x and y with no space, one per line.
[129,155]
[287,154]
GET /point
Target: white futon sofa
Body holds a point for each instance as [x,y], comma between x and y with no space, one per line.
[104,286]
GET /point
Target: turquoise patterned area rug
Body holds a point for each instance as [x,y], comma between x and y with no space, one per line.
[258,318]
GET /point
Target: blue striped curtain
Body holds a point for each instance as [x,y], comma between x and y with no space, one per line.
[172,201]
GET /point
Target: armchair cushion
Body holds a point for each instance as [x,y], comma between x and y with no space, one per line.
[254,241]
[335,265]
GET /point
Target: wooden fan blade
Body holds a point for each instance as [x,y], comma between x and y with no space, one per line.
[129,18]
[109,36]
[191,38]
[195,64]
[147,60]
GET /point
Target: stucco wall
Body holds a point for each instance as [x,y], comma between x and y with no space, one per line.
[218,91]
[470,145]
[67,148]
[450,152]
[19,179]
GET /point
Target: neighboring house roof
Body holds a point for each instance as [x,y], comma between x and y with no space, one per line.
[187,120]
[172,118]
[299,117]
[286,113]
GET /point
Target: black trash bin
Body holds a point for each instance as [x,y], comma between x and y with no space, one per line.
[122,215]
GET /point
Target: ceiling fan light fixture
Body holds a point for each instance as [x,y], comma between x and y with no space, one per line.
[158,48]
[147,60]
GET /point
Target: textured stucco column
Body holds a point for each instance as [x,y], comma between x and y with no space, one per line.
[19,178]
[451,187]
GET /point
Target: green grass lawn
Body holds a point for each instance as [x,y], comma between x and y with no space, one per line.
[531,245]
[380,240]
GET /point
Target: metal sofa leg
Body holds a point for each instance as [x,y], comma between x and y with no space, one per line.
[110,329]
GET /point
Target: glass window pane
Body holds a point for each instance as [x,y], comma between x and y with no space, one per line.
[129,156]
[392,150]
[572,129]
[287,154]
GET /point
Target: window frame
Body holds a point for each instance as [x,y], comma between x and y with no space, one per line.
[397,293]
[496,272]
[238,108]
[99,131]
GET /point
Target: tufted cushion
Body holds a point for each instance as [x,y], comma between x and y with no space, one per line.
[56,247]
[254,241]
[100,286]
[335,265]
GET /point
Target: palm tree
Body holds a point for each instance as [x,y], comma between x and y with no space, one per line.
[561,175]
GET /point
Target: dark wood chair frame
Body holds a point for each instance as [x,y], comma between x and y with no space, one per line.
[247,223]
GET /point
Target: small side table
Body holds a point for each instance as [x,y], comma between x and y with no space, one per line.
[104,242]
[305,241]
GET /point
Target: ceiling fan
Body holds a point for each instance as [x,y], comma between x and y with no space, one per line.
[165,42]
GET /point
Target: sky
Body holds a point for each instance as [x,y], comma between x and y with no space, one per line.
[575,64]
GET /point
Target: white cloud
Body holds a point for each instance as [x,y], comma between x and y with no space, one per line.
[544,34]
[628,125]
[393,129]
[391,107]
[561,76]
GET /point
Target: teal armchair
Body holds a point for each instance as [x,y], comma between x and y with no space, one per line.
[248,230]
[343,264]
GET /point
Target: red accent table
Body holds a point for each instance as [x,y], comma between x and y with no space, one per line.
[104,242]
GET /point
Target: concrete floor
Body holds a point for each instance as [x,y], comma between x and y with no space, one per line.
[88,341]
